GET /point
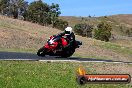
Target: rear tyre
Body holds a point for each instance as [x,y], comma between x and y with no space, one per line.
[68,53]
[41,52]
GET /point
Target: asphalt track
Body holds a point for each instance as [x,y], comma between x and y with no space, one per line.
[34,57]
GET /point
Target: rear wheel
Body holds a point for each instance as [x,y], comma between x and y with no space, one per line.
[68,53]
[41,52]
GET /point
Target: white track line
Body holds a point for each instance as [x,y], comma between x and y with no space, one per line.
[82,61]
[45,60]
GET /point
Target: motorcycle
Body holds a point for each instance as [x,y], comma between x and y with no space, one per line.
[58,46]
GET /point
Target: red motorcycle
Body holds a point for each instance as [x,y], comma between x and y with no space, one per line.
[58,46]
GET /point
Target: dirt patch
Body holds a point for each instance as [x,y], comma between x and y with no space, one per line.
[4,34]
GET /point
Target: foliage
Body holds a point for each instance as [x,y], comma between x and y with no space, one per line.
[3,5]
[129,32]
[60,24]
[42,13]
[38,13]
[54,13]
[13,8]
[125,30]
[103,31]
[83,29]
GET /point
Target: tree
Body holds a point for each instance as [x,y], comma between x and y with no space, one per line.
[38,12]
[103,31]
[128,32]
[78,29]
[54,13]
[3,6]
[42,13]
[60,24]
[83,29]
[13,8]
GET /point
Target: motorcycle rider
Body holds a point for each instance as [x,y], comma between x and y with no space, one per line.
[69,36]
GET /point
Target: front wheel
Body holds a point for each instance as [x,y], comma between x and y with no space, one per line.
[41,52]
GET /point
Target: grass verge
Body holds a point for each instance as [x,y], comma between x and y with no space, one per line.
[29,74]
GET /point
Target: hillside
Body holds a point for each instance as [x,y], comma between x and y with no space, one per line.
[115,20]
[21,36]
[120,26]
[127,18]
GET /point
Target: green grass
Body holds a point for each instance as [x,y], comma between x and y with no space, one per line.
[29,74]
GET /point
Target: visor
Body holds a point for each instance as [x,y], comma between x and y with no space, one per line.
[67,32]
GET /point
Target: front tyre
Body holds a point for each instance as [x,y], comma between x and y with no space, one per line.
[41,52]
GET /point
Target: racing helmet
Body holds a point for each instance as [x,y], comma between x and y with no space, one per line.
[68,30]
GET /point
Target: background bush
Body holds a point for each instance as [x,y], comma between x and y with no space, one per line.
[83,29]
[103,31]
[60,24]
